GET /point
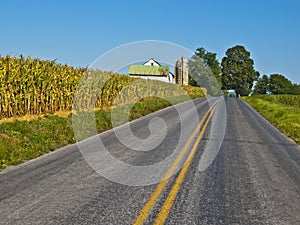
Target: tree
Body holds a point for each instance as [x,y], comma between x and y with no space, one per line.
[210,59]
[238,71]
[200,74]
[296,89]
[279,84]
[262,86]
[276,84]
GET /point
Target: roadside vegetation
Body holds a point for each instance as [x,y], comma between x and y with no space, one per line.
[283,111]
[23,139]
[39,97]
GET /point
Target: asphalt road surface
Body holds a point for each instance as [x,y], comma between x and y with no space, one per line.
[253,178]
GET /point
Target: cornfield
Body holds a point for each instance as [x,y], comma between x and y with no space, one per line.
[34,86]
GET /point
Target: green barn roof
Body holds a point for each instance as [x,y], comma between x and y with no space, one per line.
[146,70]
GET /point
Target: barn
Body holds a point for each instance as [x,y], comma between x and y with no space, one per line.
[153,70]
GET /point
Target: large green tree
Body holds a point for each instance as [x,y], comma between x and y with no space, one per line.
[262,86]
[238,71]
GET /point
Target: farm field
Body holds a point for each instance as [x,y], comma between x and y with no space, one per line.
[37,102]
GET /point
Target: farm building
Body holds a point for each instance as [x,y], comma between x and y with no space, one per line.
[181,71]
[151,70]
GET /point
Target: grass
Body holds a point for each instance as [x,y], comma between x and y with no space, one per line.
[282,111]
[287,100]
[24,139]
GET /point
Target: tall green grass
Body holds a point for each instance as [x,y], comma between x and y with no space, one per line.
[288,100]
[281,110]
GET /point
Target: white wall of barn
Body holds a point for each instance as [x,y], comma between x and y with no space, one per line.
[164,79]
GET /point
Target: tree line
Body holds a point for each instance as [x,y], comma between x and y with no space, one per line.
[275,84]
[235,72]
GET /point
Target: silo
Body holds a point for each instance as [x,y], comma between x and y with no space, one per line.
[181,71]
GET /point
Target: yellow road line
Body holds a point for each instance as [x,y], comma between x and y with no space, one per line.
[151,201]
[164,212]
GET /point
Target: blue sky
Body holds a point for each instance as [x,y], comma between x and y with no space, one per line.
[77,32]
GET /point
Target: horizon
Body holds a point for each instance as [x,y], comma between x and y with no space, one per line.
[76,33]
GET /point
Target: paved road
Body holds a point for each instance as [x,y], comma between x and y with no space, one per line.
[254,179]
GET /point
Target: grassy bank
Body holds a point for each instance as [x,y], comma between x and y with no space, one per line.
[282,111]
[21,140]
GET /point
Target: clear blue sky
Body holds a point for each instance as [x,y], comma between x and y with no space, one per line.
[77,32]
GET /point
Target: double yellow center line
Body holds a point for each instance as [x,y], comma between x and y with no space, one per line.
[164,211]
